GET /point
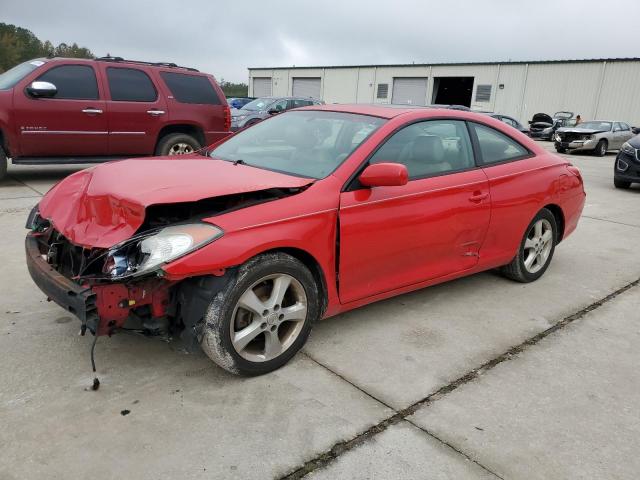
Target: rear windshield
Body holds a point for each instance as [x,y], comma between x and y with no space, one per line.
[258,104]
[9,78]
[190,88]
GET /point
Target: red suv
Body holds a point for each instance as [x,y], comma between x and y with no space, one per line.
[63,110]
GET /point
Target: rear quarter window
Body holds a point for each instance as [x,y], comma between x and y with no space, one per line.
[190,88]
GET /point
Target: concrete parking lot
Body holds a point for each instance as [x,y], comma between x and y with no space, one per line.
[478,378]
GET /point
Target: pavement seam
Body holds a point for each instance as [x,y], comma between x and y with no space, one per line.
[40,194]
[610,221]
[342,447]
[454,448]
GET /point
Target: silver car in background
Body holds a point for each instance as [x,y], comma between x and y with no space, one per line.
[264,107]
[597,136]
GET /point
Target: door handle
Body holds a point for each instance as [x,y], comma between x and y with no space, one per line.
[477,197]
[155,113]
[92,111]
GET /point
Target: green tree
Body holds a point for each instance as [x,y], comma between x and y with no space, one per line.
[234,89]
[18,44]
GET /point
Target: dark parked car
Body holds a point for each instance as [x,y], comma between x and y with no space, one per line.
[543,126]
[627,166]
[261,108]
[239,102]
[62,110]
[509,121]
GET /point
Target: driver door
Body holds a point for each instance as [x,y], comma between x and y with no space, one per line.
[433,226]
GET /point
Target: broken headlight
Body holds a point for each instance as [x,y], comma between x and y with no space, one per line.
[145,253]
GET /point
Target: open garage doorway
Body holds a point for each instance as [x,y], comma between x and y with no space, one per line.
[452,90]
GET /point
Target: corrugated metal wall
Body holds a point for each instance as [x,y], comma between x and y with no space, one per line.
[606,90]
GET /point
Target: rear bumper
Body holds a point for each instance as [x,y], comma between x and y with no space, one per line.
[76,299]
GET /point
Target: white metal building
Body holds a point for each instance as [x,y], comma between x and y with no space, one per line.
[604,89]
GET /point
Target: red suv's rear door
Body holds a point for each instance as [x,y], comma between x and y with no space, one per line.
[137,110]
[72,123]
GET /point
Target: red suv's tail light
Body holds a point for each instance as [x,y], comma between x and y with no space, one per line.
[227,118]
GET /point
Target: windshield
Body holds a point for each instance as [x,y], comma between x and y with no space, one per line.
[305,143]
[595,125]
[9,78]
[258,104]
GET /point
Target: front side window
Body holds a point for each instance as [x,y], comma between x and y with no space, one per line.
[429,148]
[74,82]
[130,85]
[509,121]
[297,103]
[190,88]
[308,144]
[280,105]
[259,104]
[496,147]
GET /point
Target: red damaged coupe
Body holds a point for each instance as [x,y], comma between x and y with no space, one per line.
[303,216]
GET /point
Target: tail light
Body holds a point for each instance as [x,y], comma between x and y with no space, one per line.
[226,116]
[574,170]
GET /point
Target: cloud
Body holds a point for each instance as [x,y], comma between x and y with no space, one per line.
[224,38]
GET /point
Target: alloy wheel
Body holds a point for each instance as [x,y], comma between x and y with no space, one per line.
[180,149]
[538,245]
[268,317]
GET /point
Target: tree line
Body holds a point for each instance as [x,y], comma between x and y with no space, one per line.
[18,44]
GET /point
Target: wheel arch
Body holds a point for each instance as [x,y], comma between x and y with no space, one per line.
[188,128]
[558,214]
[314,267]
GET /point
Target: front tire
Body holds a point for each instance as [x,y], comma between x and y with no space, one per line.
[3,164]
[536,249]
[263,316]
[177,144]
[561,150]
[601,148]
[621,184]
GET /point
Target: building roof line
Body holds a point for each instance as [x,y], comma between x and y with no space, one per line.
[454,64]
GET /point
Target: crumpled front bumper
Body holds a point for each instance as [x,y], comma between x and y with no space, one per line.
[577,145]
[104,307]
[76,299]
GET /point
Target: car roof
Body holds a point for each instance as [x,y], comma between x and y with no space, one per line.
[119,61]
[383,110]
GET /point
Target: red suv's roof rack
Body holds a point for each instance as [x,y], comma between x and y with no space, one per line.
[140,62]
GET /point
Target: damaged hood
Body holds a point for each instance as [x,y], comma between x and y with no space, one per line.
[106,204]
[584,131]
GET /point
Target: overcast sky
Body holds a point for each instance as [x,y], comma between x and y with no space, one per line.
[224,38]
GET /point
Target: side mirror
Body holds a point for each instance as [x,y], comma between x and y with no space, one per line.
[384,175]
[42,89]
[274,111]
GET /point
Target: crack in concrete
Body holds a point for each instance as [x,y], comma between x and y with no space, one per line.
[40,194]
[342,447]
[610,221]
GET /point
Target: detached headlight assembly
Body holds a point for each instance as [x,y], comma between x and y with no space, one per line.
[146,253]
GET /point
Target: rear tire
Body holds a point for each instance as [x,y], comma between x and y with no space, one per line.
[263,316]
[621,184]
[177,144]
[3,164]
[601,148]
[536,249]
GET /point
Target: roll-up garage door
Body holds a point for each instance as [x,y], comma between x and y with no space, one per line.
[409,91]
[306,87]
[262,86]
